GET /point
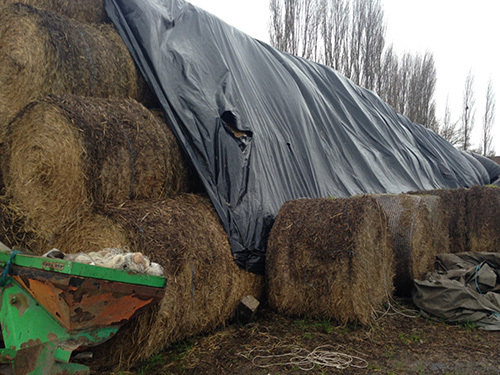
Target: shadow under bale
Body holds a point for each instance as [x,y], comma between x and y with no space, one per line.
[64,154]
[43,53]
[91,11]
[414,238]
[454,201]
[204,284]
[483,218]
[330,258]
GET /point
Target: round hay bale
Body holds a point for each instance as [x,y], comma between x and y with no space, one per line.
[412,237]
[64,154]
[91,11]
[204,284]
[43,53]
[483,218]
[454,202]
[330,258]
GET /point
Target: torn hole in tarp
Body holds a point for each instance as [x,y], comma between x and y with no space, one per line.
[242,137]
[231,124]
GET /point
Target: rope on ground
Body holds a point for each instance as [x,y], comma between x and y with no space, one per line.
[392,310]
[323,356]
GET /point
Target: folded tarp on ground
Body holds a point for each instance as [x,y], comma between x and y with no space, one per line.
[464,288]
[262,127]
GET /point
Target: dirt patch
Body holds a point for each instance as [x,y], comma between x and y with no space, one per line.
[395,344]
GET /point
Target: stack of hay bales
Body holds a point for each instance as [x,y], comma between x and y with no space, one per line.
[483,218]
[43,53]
[330,258]
[419,232]
[455,203]
[62,155]
[85,166]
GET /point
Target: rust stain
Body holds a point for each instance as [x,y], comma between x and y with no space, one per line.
[105,309]
[50,297]
[26,360]
[7,357]
[31,343]
[85,303]
[52,336]
[125,307]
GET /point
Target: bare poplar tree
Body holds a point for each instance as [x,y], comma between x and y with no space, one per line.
[403,84]
[366,43]
[488,119]
[373,43]
[388,82]
[334,23]
[421,106]
[469,111]
[295,27]
[449,130]
[389,67]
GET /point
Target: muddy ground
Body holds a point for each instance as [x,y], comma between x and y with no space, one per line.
[399,342]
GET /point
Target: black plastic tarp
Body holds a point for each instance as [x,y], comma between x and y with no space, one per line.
[262,127]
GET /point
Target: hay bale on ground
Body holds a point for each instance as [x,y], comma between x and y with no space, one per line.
[454,202]
[43,53]
[414,239]
[64,154]
[91,11]
[483,218]
[330,258]
[184,235]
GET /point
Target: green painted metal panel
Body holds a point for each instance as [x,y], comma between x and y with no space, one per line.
[84,270]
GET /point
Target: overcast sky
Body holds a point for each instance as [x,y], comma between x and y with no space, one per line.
[463,36]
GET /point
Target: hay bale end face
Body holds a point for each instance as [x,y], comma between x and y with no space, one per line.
[91,11]
[64,154]
[43,53]
[454,202]
[415,240]
[483,218]
[204,287]
[330,258]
